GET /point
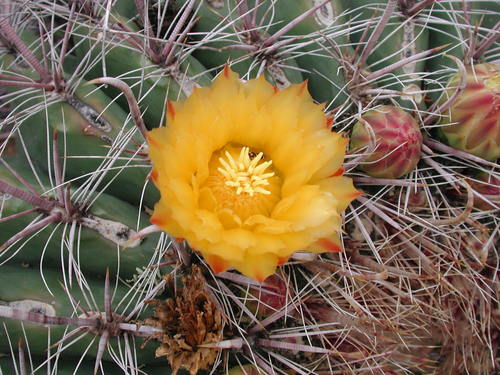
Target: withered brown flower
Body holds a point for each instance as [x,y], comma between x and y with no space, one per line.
[189,321]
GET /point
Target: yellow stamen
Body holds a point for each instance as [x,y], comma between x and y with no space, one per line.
[246,175]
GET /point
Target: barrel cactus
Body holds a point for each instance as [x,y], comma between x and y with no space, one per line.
[249,187]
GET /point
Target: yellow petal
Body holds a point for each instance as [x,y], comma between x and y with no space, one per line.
[162,218]
[308,207]
[207,200]
[258,92]
[229,219]
[327,244]
[258,268]
[342,188]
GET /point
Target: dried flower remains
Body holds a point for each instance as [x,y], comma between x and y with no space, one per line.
[189,320]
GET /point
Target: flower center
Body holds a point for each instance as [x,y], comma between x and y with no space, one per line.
[247,174]
[240,184]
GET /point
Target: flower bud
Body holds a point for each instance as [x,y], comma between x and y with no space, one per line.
[472,122]
[397,138]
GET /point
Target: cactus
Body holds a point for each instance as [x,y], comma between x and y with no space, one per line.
[326,172]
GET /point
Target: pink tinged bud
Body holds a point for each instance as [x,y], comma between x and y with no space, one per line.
[472,123]
[398,142]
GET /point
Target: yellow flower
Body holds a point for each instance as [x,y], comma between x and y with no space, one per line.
[249,174]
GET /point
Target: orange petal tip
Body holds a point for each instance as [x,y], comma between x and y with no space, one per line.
[302,87]
[170,109]
[338,172]
[329,245]
[355,195]
[152,141]
[259,277]
[329,121]
[157,221]
[217,264]
[154,175]
[226,71]
[282,261]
